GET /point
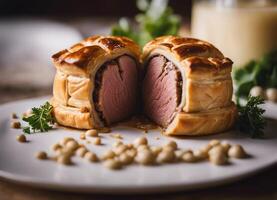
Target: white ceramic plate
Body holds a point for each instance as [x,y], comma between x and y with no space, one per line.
[17,161]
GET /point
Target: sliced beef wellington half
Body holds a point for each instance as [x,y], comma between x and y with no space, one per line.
[187,86]
[96,82]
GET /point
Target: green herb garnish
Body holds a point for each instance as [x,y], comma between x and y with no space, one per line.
[250,119]
[156,19]
[262,73]
[41,119]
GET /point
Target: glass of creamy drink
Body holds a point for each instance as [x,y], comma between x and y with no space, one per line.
[242,29]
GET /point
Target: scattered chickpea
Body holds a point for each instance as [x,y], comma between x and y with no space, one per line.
[237,151]
[120,149]
[112,164]
[216,150]
[206,148]
[14,116]
[200,155]
[97,141]
[218,158]
[91,133]
[140,141]
[56,146]
[226,146]
[108,155]
[145,157]
[156,150]
[81,151]
[142,147]
[65,140]
[179,154]
[131,152]
[16,125]
[188,157]
[257,91]
[271,94]
[41,155]
[172,144]
[168,148]
[82,136]
[166,156]
[72,145]
[213,143]
[126,159]
[21,138]
[64,159]
[92,157]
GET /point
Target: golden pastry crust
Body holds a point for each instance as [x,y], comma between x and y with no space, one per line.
[207,83]
[74,81]
[203,123]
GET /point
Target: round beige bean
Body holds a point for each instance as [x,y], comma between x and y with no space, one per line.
[65,140]
[142,147]
[15,125]
[172,144]
[271,94]
[14,116]
[92,133]
[257,91]
[218,158]
[189,157]
[81,151]
[226,146]
[108,155]
[145,157]
[90,156]
[120,149]
[140,141]
[41,155]
[82,136]
[217,149]
[72,145]
[200,155]
[125,159]
[131,152]
[166,156]
[21,138]
[213,143]
[97,141]
[156,150]
[237,151]
[64,159]
[179,154]
[112,164]
[55,147]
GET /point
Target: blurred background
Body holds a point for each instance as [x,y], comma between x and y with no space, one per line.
[31,31]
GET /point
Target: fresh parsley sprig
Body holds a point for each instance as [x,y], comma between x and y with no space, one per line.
[250,119]
[41,119]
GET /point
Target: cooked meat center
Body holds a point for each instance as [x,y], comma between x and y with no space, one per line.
[161,90]
[116,87]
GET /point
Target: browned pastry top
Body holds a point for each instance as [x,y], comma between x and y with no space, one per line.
[81,54]
[196,54]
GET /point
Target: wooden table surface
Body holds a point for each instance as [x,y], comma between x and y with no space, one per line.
[260,186]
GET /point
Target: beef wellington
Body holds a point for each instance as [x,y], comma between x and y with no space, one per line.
[187,86]
[96,82]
